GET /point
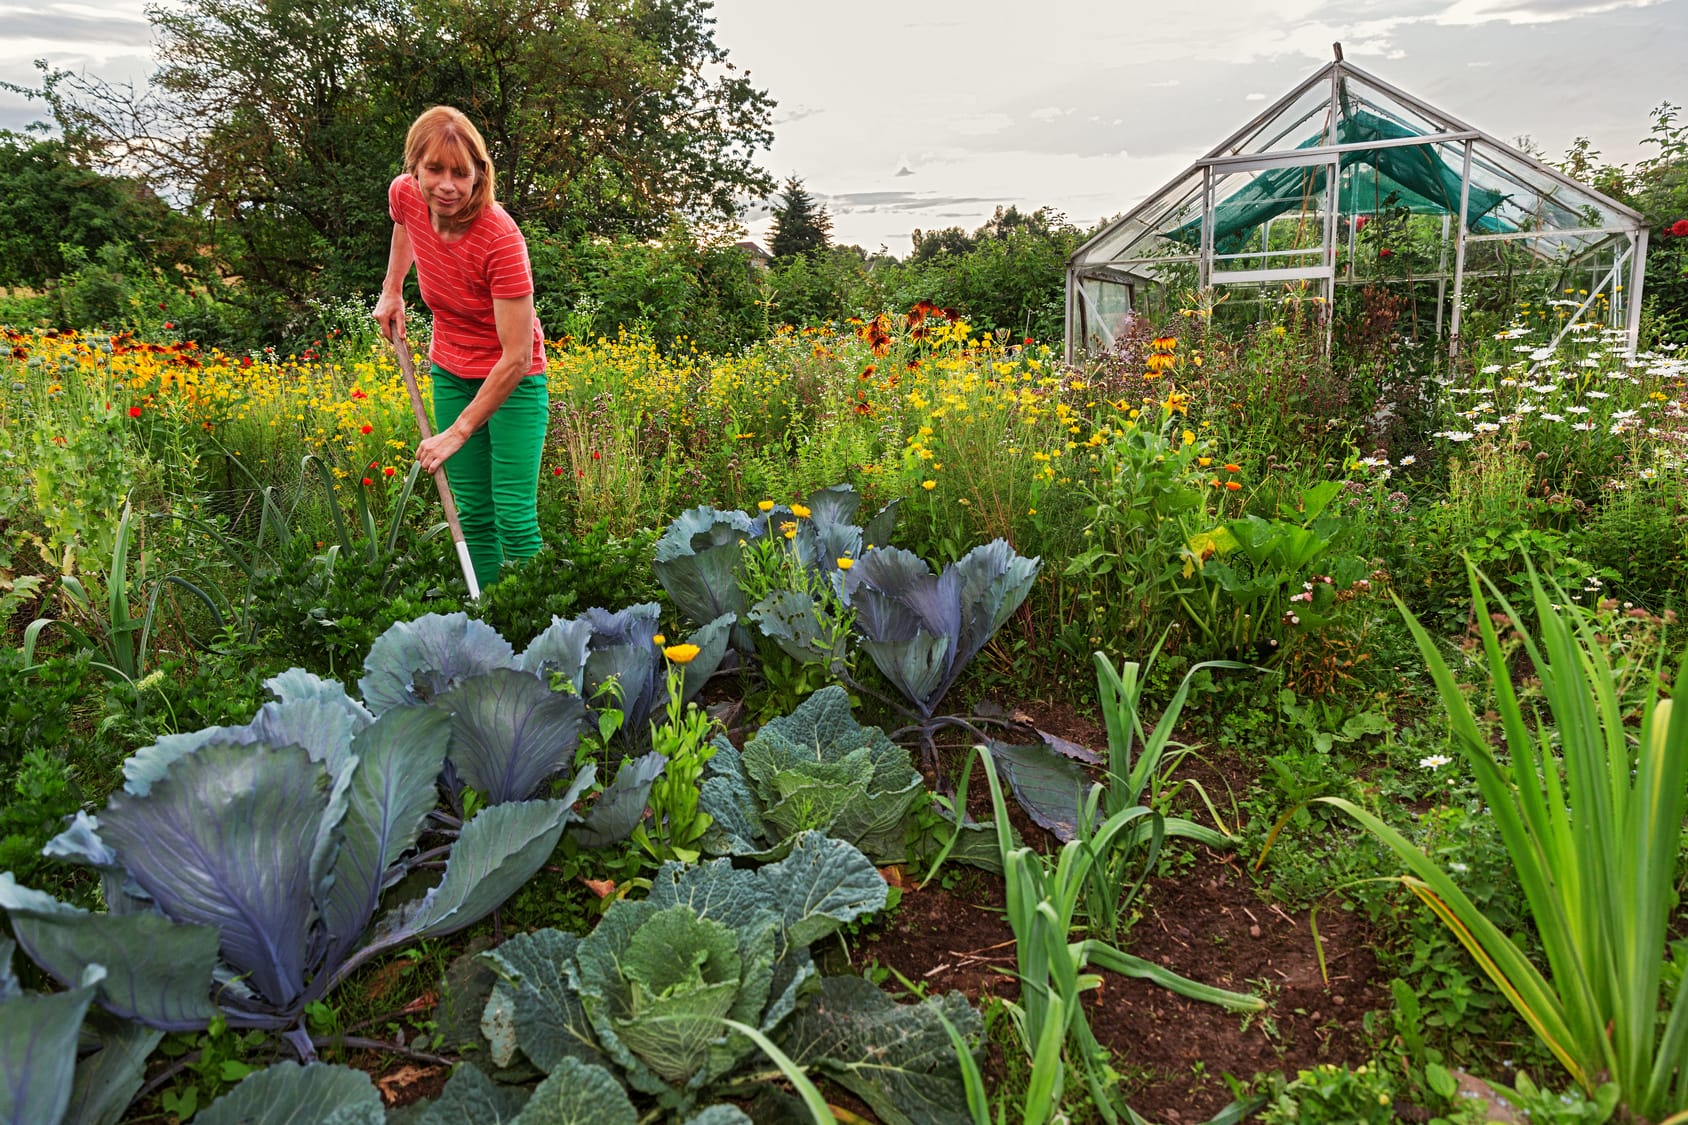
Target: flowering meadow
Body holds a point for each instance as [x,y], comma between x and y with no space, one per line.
[1241,606]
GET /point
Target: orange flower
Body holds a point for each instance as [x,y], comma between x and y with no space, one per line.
[1233,467]
[1232,486]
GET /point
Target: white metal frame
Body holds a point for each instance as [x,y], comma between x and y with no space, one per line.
[1225,159]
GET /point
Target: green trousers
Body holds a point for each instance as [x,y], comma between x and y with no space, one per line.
[494,477]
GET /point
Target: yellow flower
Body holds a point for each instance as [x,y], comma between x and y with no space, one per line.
[1204,462]
[788,529]
[800,511]
[846,563]
[681,654]
[659,639]
[928,485]
[764,505]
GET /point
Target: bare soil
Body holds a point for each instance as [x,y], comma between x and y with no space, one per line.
[1209,922]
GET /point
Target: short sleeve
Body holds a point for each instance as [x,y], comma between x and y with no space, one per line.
[509,274]
[396,197]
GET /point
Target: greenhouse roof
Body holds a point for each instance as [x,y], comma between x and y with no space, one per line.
[1390,150]
[1272,203]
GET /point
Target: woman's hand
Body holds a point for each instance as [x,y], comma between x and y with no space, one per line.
[389,315]
[389,310]
[434,451]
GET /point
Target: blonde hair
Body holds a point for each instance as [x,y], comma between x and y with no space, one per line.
[447,129]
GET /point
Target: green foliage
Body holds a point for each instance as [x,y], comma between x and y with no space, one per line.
[689,284]
[39,704]
[303,194]
[815,769]
[1043,895]
[568,574]
[1329,1095]
[56,214]
[37,799]
[214,1061]
[323,609]
[1007,277]
[1593,830]
[676,824]
[800,227]
[645,993]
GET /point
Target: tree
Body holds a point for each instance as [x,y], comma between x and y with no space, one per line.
[800,227]
[280,122]
[48,201]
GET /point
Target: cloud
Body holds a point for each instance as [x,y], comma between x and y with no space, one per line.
[911,202]
[58,24]
[1049,113]
[1533,11]
[795,113]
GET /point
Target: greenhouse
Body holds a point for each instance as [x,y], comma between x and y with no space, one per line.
[1354,201]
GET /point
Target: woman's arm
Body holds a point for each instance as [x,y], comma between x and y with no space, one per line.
[514,320]
[389,310]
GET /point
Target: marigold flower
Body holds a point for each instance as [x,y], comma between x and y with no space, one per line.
[846,563]
[1204,462]
[801,511]
[764,505]
[1232,486]
[928,485]
[1232,467]
[659,639]
[681,654]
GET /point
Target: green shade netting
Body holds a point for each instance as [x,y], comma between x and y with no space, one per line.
[1414,177]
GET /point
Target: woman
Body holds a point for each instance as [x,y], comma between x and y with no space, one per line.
[488,352]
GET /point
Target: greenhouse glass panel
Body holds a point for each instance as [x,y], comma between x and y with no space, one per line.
[1257,212]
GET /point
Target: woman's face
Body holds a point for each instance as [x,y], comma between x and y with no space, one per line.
[446,176]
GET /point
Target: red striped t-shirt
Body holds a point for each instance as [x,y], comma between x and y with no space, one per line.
[460,280]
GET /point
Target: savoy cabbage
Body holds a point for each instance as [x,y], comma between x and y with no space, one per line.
[816,768]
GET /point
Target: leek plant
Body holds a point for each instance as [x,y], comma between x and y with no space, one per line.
[1137,788]
[1589,799]
[1043,899]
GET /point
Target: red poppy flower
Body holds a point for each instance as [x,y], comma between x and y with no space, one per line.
[388,471]
[1027,341]
[366,428]
[168,324]
[596,456]
[356,393]
[557,472]
[134,412]
[367,482]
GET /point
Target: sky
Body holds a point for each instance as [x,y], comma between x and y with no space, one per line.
[901,116]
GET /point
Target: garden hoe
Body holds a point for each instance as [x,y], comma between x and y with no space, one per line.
[407,368]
